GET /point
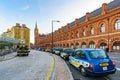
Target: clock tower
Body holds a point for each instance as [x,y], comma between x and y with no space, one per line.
[36,35]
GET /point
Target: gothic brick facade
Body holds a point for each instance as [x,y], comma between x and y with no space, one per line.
[98,29]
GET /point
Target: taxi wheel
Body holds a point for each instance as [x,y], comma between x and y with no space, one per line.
[83,71]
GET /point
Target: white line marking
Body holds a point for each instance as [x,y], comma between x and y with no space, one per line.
[118,69]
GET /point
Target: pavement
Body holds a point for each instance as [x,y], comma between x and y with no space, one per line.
[58,69]
[62,71]
[8,56]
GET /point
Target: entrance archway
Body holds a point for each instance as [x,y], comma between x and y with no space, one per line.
[83,45]
[92,44]
[103,45]
[116,45]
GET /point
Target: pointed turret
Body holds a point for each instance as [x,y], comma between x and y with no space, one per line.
[36,34]
[36,29]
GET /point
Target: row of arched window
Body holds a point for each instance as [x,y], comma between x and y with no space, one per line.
[102,28]
[103,45]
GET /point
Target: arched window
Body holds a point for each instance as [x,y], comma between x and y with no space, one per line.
[92,30]
[92,45]
[72,36]
[63,45]
[116,45]
[83,45]
[117,24]
[77,35]
[84,33]
[67,45]
[102,28]
[103,45]
[77,45]
[72,45]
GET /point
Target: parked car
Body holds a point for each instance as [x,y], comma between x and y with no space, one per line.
[23,51]
[52,50]
[93,62]
[47,50]
[41,49]
[66,53]
[58,51]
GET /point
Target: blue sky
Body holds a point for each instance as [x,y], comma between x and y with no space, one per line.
[44,11]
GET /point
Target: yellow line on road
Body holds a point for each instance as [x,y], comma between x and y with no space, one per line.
[50,70]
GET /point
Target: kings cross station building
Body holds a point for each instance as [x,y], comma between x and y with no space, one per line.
[97,29]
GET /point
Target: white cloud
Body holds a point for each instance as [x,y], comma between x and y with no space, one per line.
[25,7]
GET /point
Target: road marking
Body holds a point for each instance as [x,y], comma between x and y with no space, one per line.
[118,69]
[50,70]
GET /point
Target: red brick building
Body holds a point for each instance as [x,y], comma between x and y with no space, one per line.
[98,29]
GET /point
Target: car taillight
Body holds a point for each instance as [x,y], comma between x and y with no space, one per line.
[113,63]
[91,66]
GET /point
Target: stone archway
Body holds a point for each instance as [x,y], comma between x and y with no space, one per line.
[103,45]
[63,45]
[91,44]
[83,45]
[101,42]
[72,45]
[77,45]
[116,46]
[67,45]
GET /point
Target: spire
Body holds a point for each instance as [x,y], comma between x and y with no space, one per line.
[36,29]
[36,25]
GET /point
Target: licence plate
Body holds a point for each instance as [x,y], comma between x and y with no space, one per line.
[104,64]
[104,68]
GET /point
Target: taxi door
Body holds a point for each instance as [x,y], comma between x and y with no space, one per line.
[77,60]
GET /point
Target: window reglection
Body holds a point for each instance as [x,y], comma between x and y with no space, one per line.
[102,28]
[84,33]
[92,30]
[117,24]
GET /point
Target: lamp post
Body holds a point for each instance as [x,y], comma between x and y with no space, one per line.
[108,35]
[52,33]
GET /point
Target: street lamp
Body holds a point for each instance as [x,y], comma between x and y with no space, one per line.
[108,36]
[52,33]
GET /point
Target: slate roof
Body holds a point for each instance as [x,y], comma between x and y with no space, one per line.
[113,4]
[98,11]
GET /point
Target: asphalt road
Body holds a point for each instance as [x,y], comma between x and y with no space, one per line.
[32,67]
[77,75]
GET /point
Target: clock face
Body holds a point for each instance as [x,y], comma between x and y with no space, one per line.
[36,31]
